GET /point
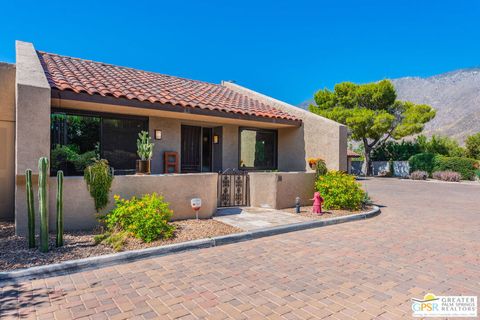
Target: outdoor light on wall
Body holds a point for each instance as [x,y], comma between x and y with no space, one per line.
[216,138]
[158,134]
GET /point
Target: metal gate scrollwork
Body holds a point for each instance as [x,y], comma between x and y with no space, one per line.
[233,188]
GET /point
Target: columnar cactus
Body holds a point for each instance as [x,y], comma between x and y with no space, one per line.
[43,202]
[59,239]
[30,209]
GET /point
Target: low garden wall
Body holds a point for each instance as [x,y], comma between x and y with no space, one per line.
[278,190]
[178,189]
[400,168]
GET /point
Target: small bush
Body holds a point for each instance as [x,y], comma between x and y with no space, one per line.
[477,173]
[321,168]
[464,166]
[145,218]
[421,162]
[419,175]
[340,191]
[447,176]
[98,178]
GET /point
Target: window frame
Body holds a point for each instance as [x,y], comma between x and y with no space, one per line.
[275,149]
[102,116]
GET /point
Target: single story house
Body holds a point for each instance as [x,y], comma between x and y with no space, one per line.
[52,105]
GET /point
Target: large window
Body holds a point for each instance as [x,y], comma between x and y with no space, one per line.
[77,138]
[258,149]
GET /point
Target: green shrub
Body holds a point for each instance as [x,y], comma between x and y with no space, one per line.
[464,166]
[99,181]
[145,218]
[395,151]
[421,162]
[321,168]
[340,191]
[477,173]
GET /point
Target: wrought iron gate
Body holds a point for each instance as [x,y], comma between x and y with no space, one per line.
[233,188]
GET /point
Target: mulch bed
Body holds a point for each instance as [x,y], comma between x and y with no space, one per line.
[15,254]
[306,212]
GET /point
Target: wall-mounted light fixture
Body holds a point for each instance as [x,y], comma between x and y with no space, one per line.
[158,134]
[216,138]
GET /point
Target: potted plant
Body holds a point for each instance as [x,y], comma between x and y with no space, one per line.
[145,152]
[312,162]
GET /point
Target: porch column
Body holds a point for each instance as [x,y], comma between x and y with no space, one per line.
[32,132]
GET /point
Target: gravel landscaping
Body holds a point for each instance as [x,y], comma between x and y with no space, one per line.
[15,254]
[306,212]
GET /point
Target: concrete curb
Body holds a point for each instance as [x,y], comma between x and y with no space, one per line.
[128,256]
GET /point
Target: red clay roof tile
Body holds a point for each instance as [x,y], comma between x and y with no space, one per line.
[96,78]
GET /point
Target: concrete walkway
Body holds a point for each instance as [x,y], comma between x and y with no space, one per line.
[251,218]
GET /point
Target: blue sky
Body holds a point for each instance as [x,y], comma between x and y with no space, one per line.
[286,49]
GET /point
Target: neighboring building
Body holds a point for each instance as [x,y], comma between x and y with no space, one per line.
[351,155]
[51,105]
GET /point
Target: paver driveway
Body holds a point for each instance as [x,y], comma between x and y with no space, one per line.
[426,240]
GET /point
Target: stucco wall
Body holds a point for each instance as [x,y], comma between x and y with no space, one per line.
[32,132]
[79,211]
[171,140]
[278,190]
[230,147]
[317,137]
[7,141]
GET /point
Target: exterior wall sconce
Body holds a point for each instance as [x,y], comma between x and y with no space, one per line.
[216,138]
[158,134]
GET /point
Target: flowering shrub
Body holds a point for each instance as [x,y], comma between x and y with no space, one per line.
[419,175]
[145,218]
[464,166]
[340,191]
[447,176]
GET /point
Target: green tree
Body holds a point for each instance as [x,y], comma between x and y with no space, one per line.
[472,144]
[372,113]
[442,145]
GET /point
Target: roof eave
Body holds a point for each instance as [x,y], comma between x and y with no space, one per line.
[85,97]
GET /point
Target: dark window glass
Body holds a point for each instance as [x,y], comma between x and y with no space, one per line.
[258,149]
[76,139]
[119,143]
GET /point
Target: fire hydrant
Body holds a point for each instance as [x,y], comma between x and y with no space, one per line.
[317,203]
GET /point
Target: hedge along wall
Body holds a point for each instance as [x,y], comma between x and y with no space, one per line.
[401,168]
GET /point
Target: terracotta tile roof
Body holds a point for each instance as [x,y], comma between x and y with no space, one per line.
[96,78]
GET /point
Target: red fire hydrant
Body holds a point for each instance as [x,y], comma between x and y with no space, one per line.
[317,203]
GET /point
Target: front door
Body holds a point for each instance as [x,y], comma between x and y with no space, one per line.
[197,149]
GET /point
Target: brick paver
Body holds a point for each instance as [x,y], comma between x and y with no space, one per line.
[426,240]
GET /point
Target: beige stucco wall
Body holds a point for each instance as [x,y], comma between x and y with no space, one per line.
[278,190]
[7,141]
[32,132]
[230,147]
[317,137]
[79,211]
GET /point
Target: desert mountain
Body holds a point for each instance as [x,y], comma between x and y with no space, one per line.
[455,95]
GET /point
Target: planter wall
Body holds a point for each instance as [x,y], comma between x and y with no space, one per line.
[178,189]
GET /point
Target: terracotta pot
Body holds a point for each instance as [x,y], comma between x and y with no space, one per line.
[143,166]
[313,166]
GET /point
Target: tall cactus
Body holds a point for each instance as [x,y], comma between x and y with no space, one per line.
[43,202]
[30,209]
[59,208]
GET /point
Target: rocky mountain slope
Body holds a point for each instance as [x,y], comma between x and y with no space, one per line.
[455,95]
